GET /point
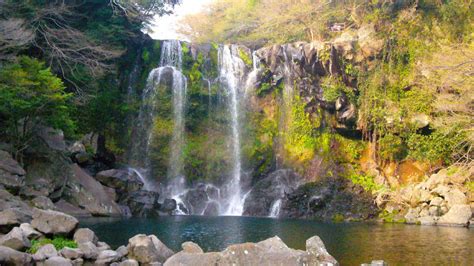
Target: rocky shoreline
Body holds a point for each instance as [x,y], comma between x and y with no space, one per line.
[86,249]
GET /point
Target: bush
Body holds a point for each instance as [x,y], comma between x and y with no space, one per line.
[58,242]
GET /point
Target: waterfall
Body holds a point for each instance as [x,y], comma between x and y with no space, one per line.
[170,63]
[231,73]
[275,209]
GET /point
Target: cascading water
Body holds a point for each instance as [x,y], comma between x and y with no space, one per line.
[231,73]
[275,209]
[170,62]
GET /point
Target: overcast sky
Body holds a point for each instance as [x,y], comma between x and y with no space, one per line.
[165,27]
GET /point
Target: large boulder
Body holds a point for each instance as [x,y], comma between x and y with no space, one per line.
[57,261]
[12,175]
[13,217]
[45,252]
[66,207]
[83,235]
[89,250]
[53,222]
[84,191]
[148,249]
[29,232]
[268,252]
[15,239]
[120,179]
[71,253]
[458,215]
[106,257]
[9,256]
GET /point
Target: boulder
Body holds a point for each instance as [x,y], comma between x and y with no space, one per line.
[53,222]
[45,252]
[190,247]
[76,147]
[455,197]
[9,256]
[84,191]
[268,252]
[42,202]
[71,253]
[54,138]
[458,215]
[29,232]
[78,262]
[13,217]
[143,203]
[57,261]
[122,251]
[102,246]
[106,257]
[83,235]
[168,206]
[147,249]
[15,239]
[120,179]
[66,207]
[89,249]
[129,262]
[82,158]
[11,173]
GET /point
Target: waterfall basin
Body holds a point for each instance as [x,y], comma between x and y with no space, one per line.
[349,243]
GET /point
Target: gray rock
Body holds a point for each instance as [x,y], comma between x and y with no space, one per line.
[122,251]
[15,239]
[43,202]
[29,232]
[434,211]
[427,220]
[458,215]
[54,138]
[76,147]
[83,235]
[316,247]
[455,197]
[72,253]
[102,246]
[147,249]
[120,179]
[190,247]
[412,215]
[66,207]
[78,262]
[11,173]
[375,263]
[45,252]
[53,222]
[9,256]
[86,192]
[13,217]
[106,257]
[129,262]
[436,201]
[57,261]
[89,249]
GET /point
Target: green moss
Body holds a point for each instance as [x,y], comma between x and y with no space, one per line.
[470,185]
[366,181]
[245,57]
[58,242]
[391,217]
[334,88]
[337,218]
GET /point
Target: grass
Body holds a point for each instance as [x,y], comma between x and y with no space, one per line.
[58,242]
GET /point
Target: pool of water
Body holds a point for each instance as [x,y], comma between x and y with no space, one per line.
[349,243]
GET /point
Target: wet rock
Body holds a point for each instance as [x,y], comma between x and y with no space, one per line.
[427,220]
[168,205]
[120,179]
[88,193]
[147,249]
[57,261]
[268,190]
[458,215]
[53,222]
[196,199]
[83,235]
[13,217]
[9,256]
[15,239]
[45,252]
[212,209]
[71,253]
[66,207]
[143,203]
[316,247]
[412,215]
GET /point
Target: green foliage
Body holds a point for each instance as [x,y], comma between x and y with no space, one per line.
[31,95]
[334,88]
[433,147]
[367,182]
[337,218]
[391,217]
[59,243]
[245,57]
[470,186]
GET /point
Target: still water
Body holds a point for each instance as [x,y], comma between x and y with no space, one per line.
[349,243]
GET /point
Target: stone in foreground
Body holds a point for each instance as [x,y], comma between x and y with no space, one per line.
[272,251]
[53,222]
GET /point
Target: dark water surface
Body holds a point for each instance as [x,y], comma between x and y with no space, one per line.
[349,243]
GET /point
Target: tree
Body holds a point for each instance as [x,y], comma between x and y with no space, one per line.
[30,96]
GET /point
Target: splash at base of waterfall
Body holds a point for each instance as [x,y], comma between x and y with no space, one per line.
[275,209]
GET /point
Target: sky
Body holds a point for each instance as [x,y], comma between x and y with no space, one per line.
[165,27]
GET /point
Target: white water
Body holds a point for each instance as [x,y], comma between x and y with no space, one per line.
[231,73]
[275,209]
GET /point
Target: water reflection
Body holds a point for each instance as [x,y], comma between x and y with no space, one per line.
[350,244]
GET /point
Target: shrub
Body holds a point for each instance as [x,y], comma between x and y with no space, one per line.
[58,242]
